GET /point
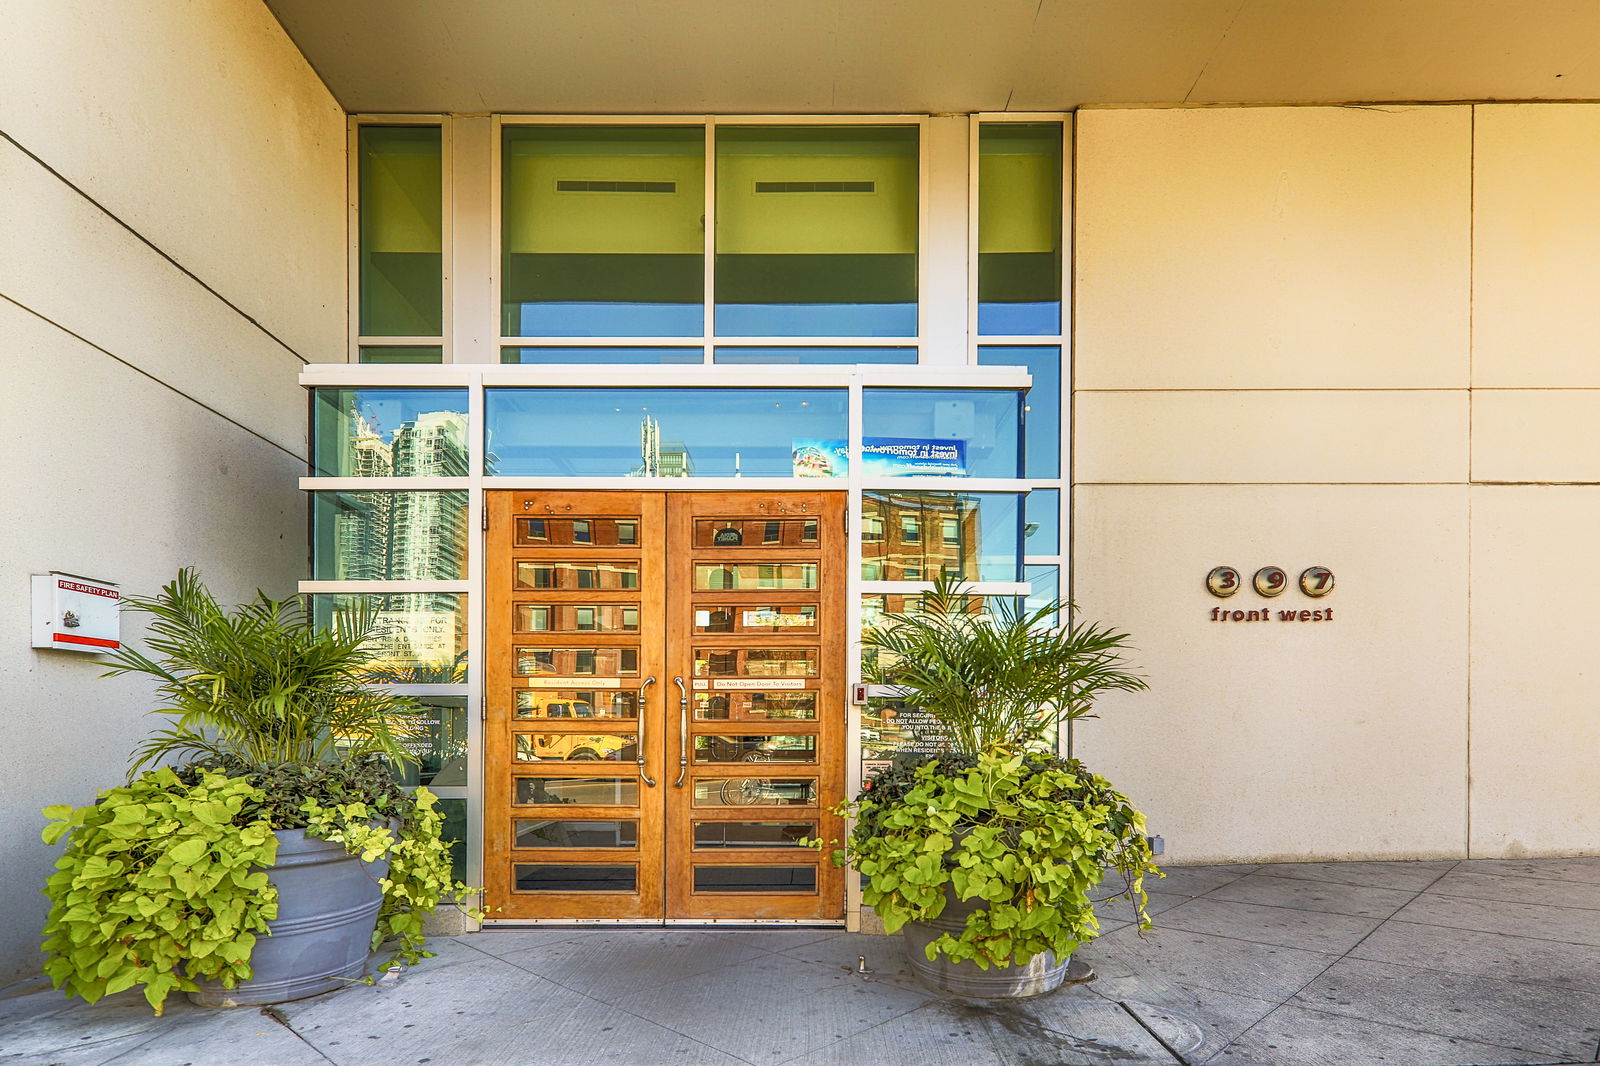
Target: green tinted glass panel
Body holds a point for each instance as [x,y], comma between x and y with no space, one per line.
[1019,228]
[388,432]
[603,231]
[421,637]
[965,432]
[402,289]
[388,536]
[916,536]
[421,353]
[816,231]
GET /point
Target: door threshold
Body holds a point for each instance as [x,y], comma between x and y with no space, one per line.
[635,923]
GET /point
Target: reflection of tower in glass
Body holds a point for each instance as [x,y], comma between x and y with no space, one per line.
[361,526]
[661,460]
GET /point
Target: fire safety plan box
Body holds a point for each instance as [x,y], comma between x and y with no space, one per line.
[76,613]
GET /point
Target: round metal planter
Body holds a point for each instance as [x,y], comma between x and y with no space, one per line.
[328,903]
[1040,974]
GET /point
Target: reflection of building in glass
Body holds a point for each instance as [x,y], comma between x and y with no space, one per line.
[910,536]
[669,459]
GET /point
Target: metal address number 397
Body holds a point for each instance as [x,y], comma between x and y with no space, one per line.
[1269,581]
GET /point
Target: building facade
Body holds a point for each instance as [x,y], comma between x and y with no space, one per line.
[1195,364]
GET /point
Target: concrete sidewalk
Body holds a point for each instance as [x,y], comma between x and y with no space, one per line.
[1343,964]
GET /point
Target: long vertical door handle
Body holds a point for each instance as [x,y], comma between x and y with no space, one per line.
[683,732]
[644,720]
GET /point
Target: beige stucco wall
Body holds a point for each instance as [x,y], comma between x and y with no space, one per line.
[173,212]
[1313,336]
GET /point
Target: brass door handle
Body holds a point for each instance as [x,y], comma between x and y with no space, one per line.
[643,725]
[683,732]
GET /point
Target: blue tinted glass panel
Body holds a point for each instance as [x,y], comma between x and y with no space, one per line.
[602,231]
[1019,229]
[389,432]
[644,356]
[833,356]
[942,432]
[1046,581]
[1041,529]
[1041,405]
[816,231]
[916,536]
[665,432]
[388,536]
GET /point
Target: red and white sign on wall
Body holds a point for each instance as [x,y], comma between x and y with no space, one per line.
[76,613]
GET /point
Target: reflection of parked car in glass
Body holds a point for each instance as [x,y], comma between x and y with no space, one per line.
[568,709]
[569,746]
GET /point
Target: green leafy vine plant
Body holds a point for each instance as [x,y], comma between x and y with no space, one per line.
[163,881]
[1028,835]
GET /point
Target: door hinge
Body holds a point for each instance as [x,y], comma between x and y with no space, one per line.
[486,518]
[483,708]
[847,521]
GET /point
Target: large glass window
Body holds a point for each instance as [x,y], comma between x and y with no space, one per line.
[635,356]
[421,637]
[1041,528]
[816,231]
[388,432]
[974,536]
[388,536]
[942,432]
[1041,405]
[815,356]
[604,232]
[1019,228]
[666,432]
[402,235]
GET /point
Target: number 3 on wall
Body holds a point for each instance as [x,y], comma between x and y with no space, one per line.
[1223,581]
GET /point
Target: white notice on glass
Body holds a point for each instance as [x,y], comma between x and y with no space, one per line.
[755,683]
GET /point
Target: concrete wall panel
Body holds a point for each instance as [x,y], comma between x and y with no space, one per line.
[1536,435]
[1271,436]
[1273,247]
[202,127]
[1276,740]
[1535,731]
[1536,245]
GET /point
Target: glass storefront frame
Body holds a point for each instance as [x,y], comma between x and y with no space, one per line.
[945,348]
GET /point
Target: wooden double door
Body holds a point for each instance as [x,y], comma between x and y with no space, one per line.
[665,705]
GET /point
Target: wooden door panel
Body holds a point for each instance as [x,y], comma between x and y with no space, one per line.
[570,703]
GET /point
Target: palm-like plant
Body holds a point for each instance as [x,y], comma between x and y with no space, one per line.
[1000,679]
[263,685]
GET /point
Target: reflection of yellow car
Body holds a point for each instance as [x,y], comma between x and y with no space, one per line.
[567,746]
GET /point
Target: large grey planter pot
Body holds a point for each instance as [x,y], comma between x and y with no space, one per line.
[328,903]
[1041,974]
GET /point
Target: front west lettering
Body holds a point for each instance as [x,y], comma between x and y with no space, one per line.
[1219,614]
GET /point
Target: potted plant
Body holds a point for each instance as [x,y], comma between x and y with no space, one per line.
[986,852]
[283,853]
